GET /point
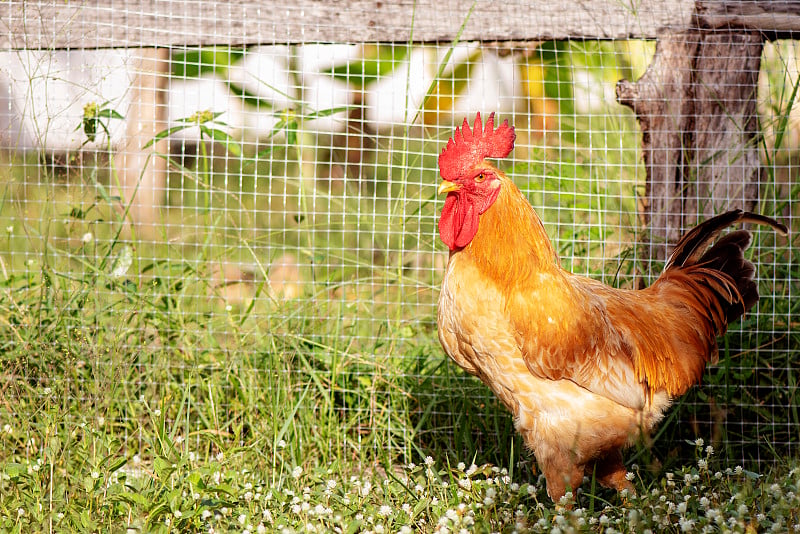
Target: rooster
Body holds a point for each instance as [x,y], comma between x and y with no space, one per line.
[583,367]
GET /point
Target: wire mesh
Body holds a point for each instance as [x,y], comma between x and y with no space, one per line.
[183,207]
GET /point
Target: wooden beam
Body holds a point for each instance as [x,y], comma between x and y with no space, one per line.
[156,23]
[776,19]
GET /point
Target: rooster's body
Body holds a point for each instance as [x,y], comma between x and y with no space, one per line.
[583,367]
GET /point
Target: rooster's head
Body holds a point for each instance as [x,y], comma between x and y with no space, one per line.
[471,183]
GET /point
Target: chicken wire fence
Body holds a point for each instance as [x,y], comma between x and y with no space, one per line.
[184,207]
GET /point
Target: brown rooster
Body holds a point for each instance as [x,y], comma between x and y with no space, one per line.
[583,367]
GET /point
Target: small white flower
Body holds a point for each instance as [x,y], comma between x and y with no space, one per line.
[699,442]
[428,461]
[385,511]
[461,466]
[87,237]
[220,456]
[178,514]
[281,444]
[157,412]
[95,475]
[629,476]
[738,470]
[331,484]
[10,229]
[297,471]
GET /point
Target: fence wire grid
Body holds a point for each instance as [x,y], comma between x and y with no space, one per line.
[271,211]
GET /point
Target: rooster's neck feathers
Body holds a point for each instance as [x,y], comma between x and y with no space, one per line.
[511,244]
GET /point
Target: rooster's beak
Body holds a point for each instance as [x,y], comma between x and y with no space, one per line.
[448,187]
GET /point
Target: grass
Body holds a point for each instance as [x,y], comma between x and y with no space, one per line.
[142,393]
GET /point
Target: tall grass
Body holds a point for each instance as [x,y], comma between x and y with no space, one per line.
[144,390]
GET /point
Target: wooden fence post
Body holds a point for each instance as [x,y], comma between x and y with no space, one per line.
[143,171]
[696,105]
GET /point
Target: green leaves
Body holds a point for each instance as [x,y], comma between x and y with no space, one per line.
[96,117]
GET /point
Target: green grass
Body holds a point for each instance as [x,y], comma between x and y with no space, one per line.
[139,392]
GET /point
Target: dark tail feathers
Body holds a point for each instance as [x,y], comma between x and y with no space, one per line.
[726,256]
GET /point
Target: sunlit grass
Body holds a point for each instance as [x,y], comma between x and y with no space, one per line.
[174,384]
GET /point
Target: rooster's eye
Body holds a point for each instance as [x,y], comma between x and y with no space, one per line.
[481,177]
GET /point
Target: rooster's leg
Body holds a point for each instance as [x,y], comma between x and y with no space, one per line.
[610,471]
[561,473]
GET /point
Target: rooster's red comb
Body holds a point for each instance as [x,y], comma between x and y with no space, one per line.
[468,147]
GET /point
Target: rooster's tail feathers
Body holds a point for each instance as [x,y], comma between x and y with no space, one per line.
[723,267]
[692,245]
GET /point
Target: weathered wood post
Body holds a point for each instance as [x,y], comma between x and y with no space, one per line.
[696,106]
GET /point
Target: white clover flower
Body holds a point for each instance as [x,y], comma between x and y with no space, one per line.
[629,476]
[281,444]
[297,471]
[95,475]
[461,466]
[742,510]
[738,470]
[702,464]
[428,461]
[699,442]
[385,511]
[87,237]
[205,514]
[406,508]
[178,514]
[465,483]
[261,529]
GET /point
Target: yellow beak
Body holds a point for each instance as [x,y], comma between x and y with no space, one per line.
[448,187]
